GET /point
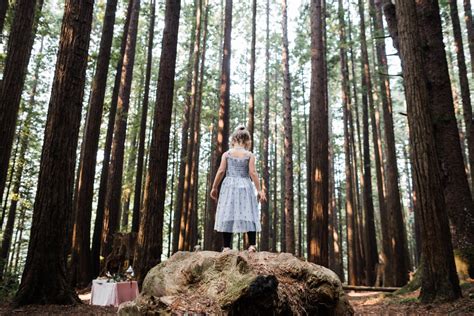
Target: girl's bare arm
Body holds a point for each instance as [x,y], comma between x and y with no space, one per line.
[219,175]
[253,173]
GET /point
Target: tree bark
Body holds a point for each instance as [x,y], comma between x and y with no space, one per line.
[20,43]
[81,255]
[251,118]
[464,82]
[288,140]
[44,279]
[98,223]
[178,215]
[392,193]
[439,278]
[370,243]
[222,144]
[115,173]
[454,179]
[350,218]
[149,242]
[187,189]
[265,235]
[317,226]
[141,144]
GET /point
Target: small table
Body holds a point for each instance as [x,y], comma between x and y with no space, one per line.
[105,293]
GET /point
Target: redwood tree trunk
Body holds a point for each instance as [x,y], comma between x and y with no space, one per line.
[141,144]
[150,234]
[251,119]
[265,235]
[457,195]
[19,48]
[98,223]
[80,255]
[350,218]
[288,141]
[317,226]
[439,278]
[114,181]
[178,213]
[464,82]
[44,279]
[222,144]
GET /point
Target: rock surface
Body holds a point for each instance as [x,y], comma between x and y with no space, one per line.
[239,283]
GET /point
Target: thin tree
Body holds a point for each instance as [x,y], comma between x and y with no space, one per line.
[149,242]
[370,243]
[251,117]
[20,43]
[265,235]
[44,278]
[115,174]
[318,223]
[464,82]
[350,218]
[187,189]
[178,213]
[439,278]
[222,142]
[288,139]
[80,254]
[141,143]
[98,224]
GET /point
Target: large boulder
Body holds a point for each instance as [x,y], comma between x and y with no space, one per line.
[239,283]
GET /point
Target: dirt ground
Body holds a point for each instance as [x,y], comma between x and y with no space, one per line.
[375,303]
[364,303]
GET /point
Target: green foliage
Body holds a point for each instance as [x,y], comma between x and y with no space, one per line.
[9,285]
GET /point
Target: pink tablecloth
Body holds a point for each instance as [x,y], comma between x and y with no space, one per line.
[105,293]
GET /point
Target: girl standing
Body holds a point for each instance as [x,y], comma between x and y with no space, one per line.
[237,210]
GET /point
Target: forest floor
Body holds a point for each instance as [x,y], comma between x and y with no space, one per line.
[364,303]
[376,303]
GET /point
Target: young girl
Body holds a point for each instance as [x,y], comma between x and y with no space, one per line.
[237,210]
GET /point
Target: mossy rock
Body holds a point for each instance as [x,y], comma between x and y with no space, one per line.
[239,283]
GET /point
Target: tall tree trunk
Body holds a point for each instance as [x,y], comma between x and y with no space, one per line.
[350,218]
[194,184]
[178,214]
[149,242]
[115,174]
[222,143]
[81,255]
[288,140]
[317,226]
[44,278]
[187,190]
[370,243]
[20,43]
[265,235]
[275,186]
[457,195]
[251,118]
[98,223]
[439,278]
[470,30]
[392,193]
[141,144]
[464,82]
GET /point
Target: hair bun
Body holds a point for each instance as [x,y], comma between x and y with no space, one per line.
[241,128]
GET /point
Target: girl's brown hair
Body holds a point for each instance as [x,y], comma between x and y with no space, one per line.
[241,136]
